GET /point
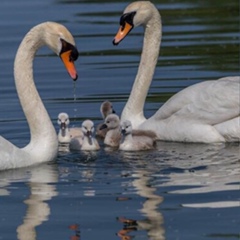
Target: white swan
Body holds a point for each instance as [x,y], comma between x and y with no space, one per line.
[43,145]
[205,112]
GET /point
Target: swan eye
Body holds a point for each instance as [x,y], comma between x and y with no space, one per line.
[127,17]
[74,55]
[69,47]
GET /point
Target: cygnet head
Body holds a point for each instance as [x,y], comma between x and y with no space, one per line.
[126,127]
[106,109]
[88,128]
[63,120]
[112,121]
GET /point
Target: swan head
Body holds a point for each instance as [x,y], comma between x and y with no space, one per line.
[135,14]
[63,120]
[61,41]
[88,128]
[126,127]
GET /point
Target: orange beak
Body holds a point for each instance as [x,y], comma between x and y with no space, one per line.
[65,56]
[122,33]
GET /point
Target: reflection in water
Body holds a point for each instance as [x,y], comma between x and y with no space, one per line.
[63,148]
[193,39]
[150,208]
[182,169]
[41,189]
[77,233]
[154,219]
[204,169]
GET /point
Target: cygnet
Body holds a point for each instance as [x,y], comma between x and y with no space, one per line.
[65,134]
[136,140]
[113,136]
[88,142]
[105,109]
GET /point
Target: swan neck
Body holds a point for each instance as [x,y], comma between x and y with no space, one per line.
[149,57]
[41,128]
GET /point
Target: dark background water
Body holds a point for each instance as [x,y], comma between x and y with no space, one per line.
[178,191]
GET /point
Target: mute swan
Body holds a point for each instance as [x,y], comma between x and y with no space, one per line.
[65,133]
[43,145]
[105,109]
[88,142]
[113,136]
[144,140]
[206,112]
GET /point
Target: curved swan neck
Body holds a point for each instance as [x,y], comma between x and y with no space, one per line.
[149,57]
[41,128]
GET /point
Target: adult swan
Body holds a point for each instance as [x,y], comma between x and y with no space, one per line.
[43,145]
[206,112]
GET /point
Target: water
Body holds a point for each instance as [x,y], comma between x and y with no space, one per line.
[178,191]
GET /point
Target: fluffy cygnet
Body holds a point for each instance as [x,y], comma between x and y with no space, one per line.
[88,141]
[105,109]
[136,140]
[65,134]
[113,136]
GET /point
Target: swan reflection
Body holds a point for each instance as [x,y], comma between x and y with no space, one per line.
[205,169]
[153,222]
[40,182]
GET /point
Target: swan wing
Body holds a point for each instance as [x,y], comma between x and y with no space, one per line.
[209,102]
[10,154]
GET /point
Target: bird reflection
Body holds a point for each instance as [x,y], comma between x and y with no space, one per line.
[38,211]
[154,219]
[204,168]
[63,148]
[75,229]
[41,189]
[153,223]
[129,226]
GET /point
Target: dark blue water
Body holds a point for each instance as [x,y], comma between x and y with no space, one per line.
[178,191]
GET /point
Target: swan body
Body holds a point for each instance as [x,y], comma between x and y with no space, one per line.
[88,142]
[43,145]
[206,112]
[113,136]
[65,134]
[142,140]
[106,108]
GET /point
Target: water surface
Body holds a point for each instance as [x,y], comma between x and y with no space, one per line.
[178,191]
